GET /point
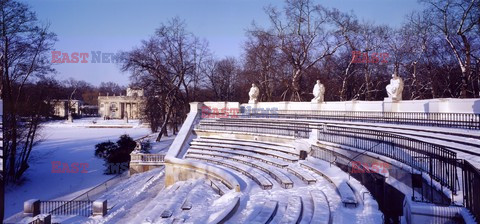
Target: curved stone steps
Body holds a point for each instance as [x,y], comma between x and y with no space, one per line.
[266,159]
[250,143]
[321,208]
[294,211]
[345,191]
[273,153]
[250,172]
[265,215]
[275,173]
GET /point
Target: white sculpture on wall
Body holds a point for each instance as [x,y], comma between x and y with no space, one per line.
[254,91]
[395,88]
[318,92]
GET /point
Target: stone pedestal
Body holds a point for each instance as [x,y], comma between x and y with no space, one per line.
[195,106]
[390,105]
[315,106]
[100,207]
[31,207]
[252,101]
[350,105]
[313,138]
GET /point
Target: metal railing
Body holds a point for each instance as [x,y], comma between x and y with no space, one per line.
[450,120]
[435,160]
[471,193]
[82,208]
[295,130]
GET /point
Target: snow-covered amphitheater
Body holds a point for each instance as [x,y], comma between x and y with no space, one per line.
[300,162]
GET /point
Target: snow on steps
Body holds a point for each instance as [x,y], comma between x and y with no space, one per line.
[321,212]
[294,211]
[300,173]
[223,215]
[256,144]
[269,209]
[267,159]
[219,186]
[251,172]
[346,193]
[273,153]
[275,173]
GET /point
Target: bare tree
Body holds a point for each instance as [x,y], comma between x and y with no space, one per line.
[24,45]
[110,88]
[222,76]
[263,60]
[305,35]
[163,65]
[456,20]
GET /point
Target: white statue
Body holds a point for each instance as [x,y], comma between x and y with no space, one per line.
[395,88]
[318,92]
[138,147]
[254,91]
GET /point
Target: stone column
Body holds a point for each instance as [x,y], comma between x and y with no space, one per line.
[129,109]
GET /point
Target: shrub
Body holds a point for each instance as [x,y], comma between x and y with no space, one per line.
[146,146]
[115,153]
[102,150]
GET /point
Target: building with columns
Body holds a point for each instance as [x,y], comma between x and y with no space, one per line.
[120,107]
[60,107]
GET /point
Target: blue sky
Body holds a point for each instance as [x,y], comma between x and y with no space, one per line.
[110,26]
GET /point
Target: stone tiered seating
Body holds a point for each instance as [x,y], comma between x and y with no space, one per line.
[276,174]
[321,211]
[273,153]
[265,215]
[263,145]
[346,193]
[300,173]
[272,161]
[294,211]
[218,186]
[251,172]
[276,160]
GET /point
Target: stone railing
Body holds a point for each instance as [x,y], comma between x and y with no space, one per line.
[147,158]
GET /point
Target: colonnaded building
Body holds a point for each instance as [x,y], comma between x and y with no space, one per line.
[120,107]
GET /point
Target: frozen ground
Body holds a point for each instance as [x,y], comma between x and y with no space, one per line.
[67,143]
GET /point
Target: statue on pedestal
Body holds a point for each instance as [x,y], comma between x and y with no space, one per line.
[138,147]
[254,91]
[318,92]
[395,88]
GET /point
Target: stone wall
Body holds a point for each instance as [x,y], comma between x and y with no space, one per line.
[444,105]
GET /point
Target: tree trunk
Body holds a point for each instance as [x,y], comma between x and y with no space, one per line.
[297,76]
[164,125]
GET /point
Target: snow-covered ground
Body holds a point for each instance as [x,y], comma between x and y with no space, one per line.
[68,143]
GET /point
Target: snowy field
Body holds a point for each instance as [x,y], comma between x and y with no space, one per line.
[69,143]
